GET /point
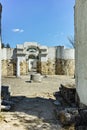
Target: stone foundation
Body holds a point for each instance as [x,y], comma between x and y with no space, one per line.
[44,68]
[4,67]
[58,67]
[65,67]
[8,67]
[38,67]
[51,67]
[23,68]
[47,68]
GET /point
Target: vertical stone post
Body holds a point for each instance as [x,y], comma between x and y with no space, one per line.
[81,50]
[0,53]
[18,67]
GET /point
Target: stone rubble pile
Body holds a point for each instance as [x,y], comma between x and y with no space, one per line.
[68,111]
[6,102]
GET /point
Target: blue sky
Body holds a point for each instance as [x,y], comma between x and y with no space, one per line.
[48,22]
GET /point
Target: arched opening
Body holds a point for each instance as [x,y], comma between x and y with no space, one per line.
[32,62]
[32,57]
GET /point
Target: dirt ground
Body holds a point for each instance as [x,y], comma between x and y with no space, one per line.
[34,103]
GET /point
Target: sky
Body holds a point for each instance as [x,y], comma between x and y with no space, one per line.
[47,22]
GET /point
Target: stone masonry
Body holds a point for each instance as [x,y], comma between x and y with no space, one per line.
[42,59]
[23,68]
[65,67]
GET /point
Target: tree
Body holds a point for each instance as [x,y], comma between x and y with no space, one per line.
[7,45]
[2,45]
[71,40]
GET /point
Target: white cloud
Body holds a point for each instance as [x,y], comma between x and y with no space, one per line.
[62,33]
[21,30]
[17,30]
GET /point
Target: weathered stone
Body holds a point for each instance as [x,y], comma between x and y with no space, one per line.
[65,66]
[5,93]
[68,92]
[69,116]
[8,67]
[36,77]
[32,57]
[60,67]
[23,68]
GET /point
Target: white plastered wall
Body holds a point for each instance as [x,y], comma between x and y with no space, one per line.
[81,49]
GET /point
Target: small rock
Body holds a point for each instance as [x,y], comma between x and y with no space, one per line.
[7,119]
[57,103]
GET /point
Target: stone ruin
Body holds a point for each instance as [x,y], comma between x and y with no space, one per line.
[31,56]
[57,60]
[72,102]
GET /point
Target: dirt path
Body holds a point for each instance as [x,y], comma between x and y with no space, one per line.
[34,108]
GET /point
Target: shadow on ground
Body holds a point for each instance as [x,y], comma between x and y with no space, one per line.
[36,113]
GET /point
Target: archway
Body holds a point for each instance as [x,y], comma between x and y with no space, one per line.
[32,62]
[32,57]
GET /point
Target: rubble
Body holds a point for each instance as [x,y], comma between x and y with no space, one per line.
[66,95]
[68,112]
[6,102]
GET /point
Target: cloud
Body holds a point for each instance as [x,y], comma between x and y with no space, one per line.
[17,30]
[62,33]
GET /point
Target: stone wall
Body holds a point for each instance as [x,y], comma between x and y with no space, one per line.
[38,67]
[51,67]
[57,60]
[58,67]
[8,53]
[23,68]
[8,67]
[46,68]
[65,67]
[4,67]
[42,67]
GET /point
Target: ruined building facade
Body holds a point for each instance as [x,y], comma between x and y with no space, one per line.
[31,56]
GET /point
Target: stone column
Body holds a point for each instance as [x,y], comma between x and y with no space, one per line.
[18,67]
[0,53]
[81,50]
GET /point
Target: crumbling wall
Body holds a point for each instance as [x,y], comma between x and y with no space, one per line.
[60,62]
[8,67]
[23,68]
[51,67]
[57,60]
[58,67]
[4,68]
[65,67]
[46,68]
[8,56]
[42,67]
[38,67]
